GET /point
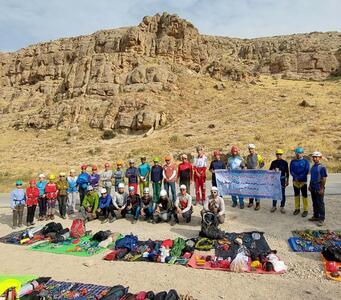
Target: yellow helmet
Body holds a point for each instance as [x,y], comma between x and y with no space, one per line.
[279,151]
[119,163]
[52,177]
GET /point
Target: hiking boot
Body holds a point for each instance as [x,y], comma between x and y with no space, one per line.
[257,207]
[149,220]
[234,204]
[320,223]
[296,212]
[134,221]
[304,214]
[153,221]
[273,209]
[104,221]
[112,220]
[241,206]
[250,205]
[313,219]
[64,217]
[282,210]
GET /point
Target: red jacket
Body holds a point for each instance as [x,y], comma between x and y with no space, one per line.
[32,194]
[51,191]
[185,171]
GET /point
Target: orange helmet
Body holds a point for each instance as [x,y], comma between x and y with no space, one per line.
[84,167]
[168,157]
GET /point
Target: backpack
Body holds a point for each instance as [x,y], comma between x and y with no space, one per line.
[117,292]
[209,227]
[52,227]
[129,242]
[332,253]
[101,235]
[77,229]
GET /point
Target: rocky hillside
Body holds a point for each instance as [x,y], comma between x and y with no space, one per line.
[122,80]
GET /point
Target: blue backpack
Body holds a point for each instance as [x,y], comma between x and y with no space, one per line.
[129,242]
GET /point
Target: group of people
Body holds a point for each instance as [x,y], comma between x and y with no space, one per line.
[103,195]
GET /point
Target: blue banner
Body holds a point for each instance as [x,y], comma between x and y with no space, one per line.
[249,183]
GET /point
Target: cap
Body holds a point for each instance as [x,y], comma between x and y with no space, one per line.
[90,188]
[251,146]
[279,151]
[183,187]
[94,168]
[143,157]
[316,154]
[103,191]
[72,171]
[146,190]
[119,163]
[163,193]
[131,188]
[120,186]
[299,150]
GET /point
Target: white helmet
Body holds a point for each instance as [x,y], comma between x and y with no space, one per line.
[163,193]
[183,187]
[103,191]
[214,188]
[120,185]
[316,154]
[146,190]
[41,176]
[131,188]
[251,146]
[90,188]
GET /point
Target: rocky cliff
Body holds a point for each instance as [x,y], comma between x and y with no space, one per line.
[118,79]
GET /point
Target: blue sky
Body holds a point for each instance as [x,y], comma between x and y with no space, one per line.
[25,22]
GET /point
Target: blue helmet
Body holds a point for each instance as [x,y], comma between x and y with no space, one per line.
[18,182]
[299,150]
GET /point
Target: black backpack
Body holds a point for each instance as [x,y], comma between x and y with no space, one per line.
[117,292]
[52,227]
[101,235]
[209,227]
[332,253]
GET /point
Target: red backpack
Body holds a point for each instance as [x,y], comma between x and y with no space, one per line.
[77,229]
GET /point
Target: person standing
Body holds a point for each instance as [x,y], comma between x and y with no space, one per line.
[83,181]
[42,200]
[62,187]
[235,162]
[72,192]
[106,178]
[280,165]
[216,164]
[51,196]
[118,174]
[95,178]
[318,178]
[199,168]
[17,204]
[169,177]
[254,161]
[143,173]
[156,178]
[32,194]
[132,174]
[185,173]
[299,169]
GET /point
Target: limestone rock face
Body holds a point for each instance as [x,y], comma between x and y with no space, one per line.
[97,79]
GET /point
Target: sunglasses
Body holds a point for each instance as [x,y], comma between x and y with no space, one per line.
[167,160]
[214,192]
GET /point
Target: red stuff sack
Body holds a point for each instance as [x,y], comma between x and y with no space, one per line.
[77,229]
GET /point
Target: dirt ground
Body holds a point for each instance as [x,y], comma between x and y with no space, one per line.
[304,278]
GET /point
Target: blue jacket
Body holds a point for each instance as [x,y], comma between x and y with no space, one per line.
[131,174]
[41,186]
[299,169]
[17,197]
[83,180]
[72,184]
[105,202]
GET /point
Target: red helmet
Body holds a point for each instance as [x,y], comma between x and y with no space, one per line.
[234,149]
[106,165]
[84,167]
[94,168]
[216,152]
[32,181]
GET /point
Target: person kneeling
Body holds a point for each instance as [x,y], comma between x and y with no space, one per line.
[183,205]
[90,204]
[105,207]
[215,204]
[163,209]
[147,205]
[133,204]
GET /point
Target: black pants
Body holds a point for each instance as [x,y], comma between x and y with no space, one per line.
[82,193]
[62,199]
[251,200]
[30,214]
[123,212]
[318,205]
[303,190]
[42,206]
[187,216]
[105,212]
